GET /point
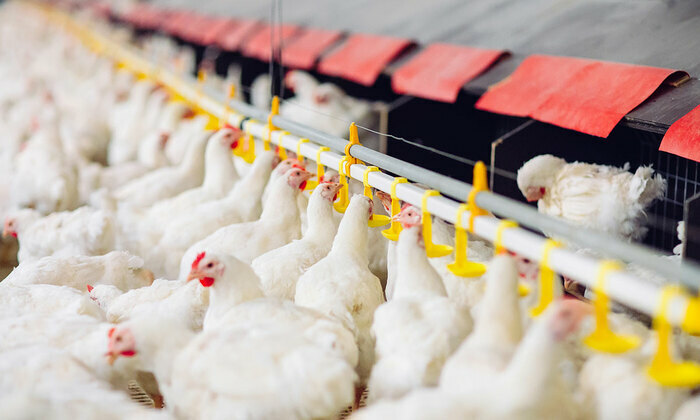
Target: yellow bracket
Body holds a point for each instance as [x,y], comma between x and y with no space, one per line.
[691,322]
[603,339]
[248,155]
[479,183]
[462,266]
[352,141]
[393,232]
[523,288]
[431,249]
[300,156]
[662,368]
[228,111]
[320,169]
[546,283]
[281,151]
[498,247]
[310,184]
[375,220]
[274,110]
[212,123]
[342,203]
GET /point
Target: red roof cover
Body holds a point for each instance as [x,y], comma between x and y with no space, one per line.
[259,44]
[362,57]
[303,51]
[439,71]
[683,137]
[584,95]
[231,39]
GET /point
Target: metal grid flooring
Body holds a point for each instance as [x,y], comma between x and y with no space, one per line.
[139,395]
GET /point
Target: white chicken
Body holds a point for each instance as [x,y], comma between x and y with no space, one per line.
[295,346]
[280,268]
[497,331]
[352,294]
[219,177]
[596,197]
[501,395]
[120,269]
[169,181]
[420,327]
[85,231]
[242,204]
[278,225]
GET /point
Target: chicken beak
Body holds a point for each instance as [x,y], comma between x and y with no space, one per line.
[111,358]
[195,275]
[533,194]
[396,217]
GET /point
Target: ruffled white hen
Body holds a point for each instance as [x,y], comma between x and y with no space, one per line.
[597,197]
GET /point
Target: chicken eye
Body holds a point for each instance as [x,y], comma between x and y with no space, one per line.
[210,265]
[118,339]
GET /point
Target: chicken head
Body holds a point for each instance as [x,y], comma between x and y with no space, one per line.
[536,176]
[121,343]
[408,217]
[206,269]
[297,177]
[329,190]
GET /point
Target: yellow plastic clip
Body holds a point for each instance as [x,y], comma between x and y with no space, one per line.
[352,140]
[603,339]
[546,283]
[312,183]
[248,154]
[228,111]
[523,288]
[375,220]
[498,247]
[300,156]
[213,122]
[479,183]
[662,368]
[342,203]
[274,110]
[393,232]
[431,249]
[462,266]
[320,169]
[281,151]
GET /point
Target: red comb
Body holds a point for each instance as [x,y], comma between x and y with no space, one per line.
[405,206]
[110,333]
[89,288]
[200,256]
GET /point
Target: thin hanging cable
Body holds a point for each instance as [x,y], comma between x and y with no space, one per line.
[278,45]
[271,64]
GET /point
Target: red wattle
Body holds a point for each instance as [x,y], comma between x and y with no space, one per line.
[234,144]
[206,281]
[302,185]
[89,288]
[128,353]
[14,234]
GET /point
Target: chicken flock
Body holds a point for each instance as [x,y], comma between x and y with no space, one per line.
[229,290]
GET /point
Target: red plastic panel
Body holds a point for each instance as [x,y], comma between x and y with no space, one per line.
[439,71]
[231,39]
[216,30]
[362,58]
[579,94]
[303,51]
[176,21]
[259,45]
[683,137]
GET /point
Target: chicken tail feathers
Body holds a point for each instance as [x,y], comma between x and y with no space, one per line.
[645,187]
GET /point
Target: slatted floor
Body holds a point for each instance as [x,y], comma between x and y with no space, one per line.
[139,395]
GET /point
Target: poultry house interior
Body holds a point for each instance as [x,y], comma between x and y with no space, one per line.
[270,210]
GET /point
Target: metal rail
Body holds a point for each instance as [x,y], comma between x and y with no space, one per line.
[621,286]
